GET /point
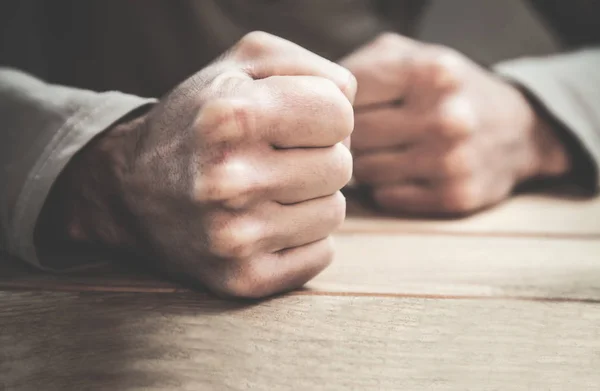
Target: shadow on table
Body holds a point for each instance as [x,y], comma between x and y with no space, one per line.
[361,204]
[100,340]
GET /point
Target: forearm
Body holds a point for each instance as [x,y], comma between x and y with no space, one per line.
[42,127]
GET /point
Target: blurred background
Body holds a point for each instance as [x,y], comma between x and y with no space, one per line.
[487,30]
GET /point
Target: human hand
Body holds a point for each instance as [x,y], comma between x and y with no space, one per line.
[458,140]
[232,179]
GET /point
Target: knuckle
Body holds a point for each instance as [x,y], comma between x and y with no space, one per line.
[389,39]
[455,119]
[326,103]
[460,198]
[226,119]
[228,183]
[244,117]
[444,58]
[254,44]
[443,67]
[232,238]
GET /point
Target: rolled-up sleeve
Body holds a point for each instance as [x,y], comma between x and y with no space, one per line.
[568,87]
[42,126]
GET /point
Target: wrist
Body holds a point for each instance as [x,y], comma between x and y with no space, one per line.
[554,158]
[547,156]
[85,205]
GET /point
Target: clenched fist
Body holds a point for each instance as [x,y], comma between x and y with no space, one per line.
[451,139]
[232,179]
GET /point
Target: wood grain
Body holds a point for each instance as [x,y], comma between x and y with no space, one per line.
[67,341]
[386,315]
[115,276]
[402,265]
[438,265]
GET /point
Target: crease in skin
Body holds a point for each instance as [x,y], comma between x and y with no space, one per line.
[231,182]
[313,199]
[288,250]
[379,105]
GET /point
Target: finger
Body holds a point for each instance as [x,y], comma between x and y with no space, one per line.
[298,265]
[452,121]
[305,222]
[378,68]
[381,81]
[298,175]
[265,55]
[301,111]
[276,272]
[407,198]
[286,112]
[456,198]
[434,72]
[438,68]
[283,176]
[387,128]
[416,73]
[392,167]
[433,161]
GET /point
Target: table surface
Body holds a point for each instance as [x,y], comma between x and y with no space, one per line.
[508,299]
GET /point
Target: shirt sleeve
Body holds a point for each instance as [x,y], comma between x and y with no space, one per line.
[567,86]
[42,126]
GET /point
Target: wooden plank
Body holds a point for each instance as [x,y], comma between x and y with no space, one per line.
[117,276]
[431,265]
[402,265]
[525,215]
[66,341]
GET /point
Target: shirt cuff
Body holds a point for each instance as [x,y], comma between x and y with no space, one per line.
[567,87]
[80,128]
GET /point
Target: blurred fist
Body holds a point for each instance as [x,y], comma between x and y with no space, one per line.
[451,139]
[233,179]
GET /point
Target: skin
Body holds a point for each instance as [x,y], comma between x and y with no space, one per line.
[232,179]
[460,140]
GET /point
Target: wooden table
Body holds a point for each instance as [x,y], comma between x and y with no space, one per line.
[505,300]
